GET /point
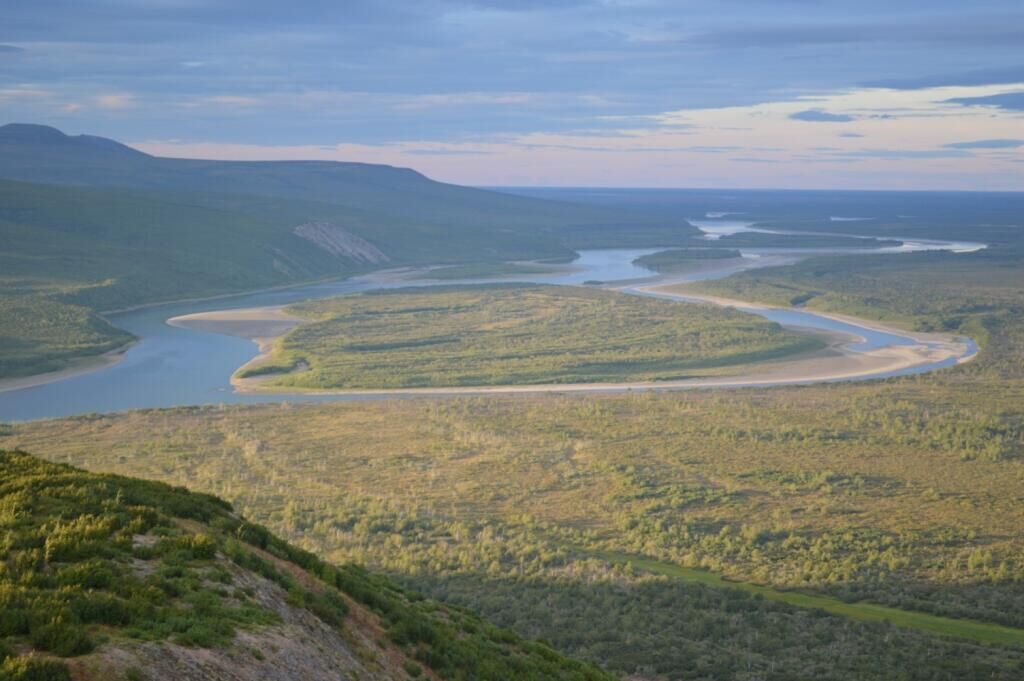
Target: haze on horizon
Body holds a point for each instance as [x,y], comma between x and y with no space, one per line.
[785,93]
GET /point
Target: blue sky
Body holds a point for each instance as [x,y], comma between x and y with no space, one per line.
[761,93]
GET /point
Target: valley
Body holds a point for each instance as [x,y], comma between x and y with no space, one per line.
[800,451]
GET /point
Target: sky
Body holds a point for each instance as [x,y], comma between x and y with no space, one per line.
[900,94]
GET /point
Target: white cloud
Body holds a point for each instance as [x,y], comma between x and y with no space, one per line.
[115,100]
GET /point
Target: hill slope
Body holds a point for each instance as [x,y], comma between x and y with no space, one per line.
[111,577]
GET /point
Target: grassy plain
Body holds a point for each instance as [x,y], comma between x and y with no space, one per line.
[902,494]
[508,335]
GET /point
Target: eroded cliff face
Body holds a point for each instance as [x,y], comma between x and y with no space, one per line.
[338,241]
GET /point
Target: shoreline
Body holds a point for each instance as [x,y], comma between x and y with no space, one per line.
[261,325]
[78,367]
[663,288]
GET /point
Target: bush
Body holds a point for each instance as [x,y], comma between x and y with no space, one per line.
[33,668]
[101,608]
[330,608]
[61,638]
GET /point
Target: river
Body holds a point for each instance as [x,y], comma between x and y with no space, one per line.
[174,366]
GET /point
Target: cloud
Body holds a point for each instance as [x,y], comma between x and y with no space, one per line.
[819,116]
[850,134]
[430,101]
[978,30]
[986,144]
[24,92]
[234,100]
[1011,101]
[445,152]
[903,154]
[10,49]
[115,100]
[997,76]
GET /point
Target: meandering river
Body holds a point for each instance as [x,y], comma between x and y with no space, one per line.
[173,366]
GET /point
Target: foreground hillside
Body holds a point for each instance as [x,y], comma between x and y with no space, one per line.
[105,577]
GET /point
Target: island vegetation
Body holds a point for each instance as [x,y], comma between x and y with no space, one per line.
[677,259]
[514,335]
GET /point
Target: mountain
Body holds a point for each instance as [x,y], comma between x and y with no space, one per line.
[107,577]
[34,153]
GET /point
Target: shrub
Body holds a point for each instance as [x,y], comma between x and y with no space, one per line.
[330,608]
[101,608]
[33,668]
[61,638]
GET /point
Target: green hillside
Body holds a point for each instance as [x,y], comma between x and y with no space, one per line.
[110,577]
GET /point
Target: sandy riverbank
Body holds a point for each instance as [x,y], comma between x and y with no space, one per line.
[261,325]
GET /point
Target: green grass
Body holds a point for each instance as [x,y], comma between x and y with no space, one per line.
[515,335]
[984,632]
